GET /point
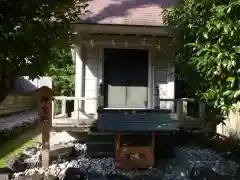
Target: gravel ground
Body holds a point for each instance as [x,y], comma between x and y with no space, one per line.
[188,163]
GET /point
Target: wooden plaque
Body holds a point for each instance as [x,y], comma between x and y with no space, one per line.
[135,157]
[45,98]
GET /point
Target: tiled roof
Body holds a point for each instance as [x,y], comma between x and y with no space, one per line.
[126,12]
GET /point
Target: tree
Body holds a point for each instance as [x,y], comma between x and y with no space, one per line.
[62,71]
[29,32]
[206,36]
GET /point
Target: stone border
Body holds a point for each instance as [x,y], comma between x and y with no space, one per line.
[8,134]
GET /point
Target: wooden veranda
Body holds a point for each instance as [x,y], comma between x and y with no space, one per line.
[175,118]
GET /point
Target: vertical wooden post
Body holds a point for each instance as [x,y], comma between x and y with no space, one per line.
[45,97]
[100,95]
[63,107]
[180,110]
[153,146]
[184,108]
[117,147]
[118,142]
[202,110]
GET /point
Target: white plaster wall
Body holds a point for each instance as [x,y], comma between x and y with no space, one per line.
[91,78]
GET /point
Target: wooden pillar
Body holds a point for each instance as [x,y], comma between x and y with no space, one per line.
[45,97]
[79,76]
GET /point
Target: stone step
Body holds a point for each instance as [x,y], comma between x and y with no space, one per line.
[99,143]
[100,139]
[101,154]
[100,148]
[101,133]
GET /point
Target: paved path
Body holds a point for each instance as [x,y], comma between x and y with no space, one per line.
[8,122]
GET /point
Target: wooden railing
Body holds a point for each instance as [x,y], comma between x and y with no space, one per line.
[78,104]
[179,106]
[182,107]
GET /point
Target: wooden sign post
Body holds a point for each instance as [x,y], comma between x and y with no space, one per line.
[45,98]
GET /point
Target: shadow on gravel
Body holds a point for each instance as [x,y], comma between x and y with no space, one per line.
[227,147]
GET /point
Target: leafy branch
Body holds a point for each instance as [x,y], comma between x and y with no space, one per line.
[206,36]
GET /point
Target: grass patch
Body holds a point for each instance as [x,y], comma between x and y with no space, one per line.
[13,148]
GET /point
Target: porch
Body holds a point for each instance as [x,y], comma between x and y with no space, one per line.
[140,120]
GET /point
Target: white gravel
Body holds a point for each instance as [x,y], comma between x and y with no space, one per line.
[60,137]
[189,163]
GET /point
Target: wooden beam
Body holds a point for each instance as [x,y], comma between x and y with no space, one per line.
[120,40]
[121,29]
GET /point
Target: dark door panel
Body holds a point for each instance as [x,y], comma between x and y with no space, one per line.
[125,78]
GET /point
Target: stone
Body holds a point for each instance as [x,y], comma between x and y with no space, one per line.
[37,145]
[6,173]
[203,173]
[30,151]
[111,176]
[58,149]
[124,177]
[75,174]
[19,166]
[32,162]
[6,170]
[22,157]
[72,163]
[237,174]
[51,178]
[35,176]
[22,178]
[80,147]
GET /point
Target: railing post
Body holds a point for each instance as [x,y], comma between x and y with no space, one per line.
[202,110]
[157,99]
[180,114]
[63,107]
[100,96]
[185,107]
[53,109]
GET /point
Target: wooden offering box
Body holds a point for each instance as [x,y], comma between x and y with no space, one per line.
[134,152]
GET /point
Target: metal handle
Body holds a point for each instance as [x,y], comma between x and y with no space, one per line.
[126,82]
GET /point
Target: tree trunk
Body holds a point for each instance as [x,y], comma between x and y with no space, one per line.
[4,90]
[6,85]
